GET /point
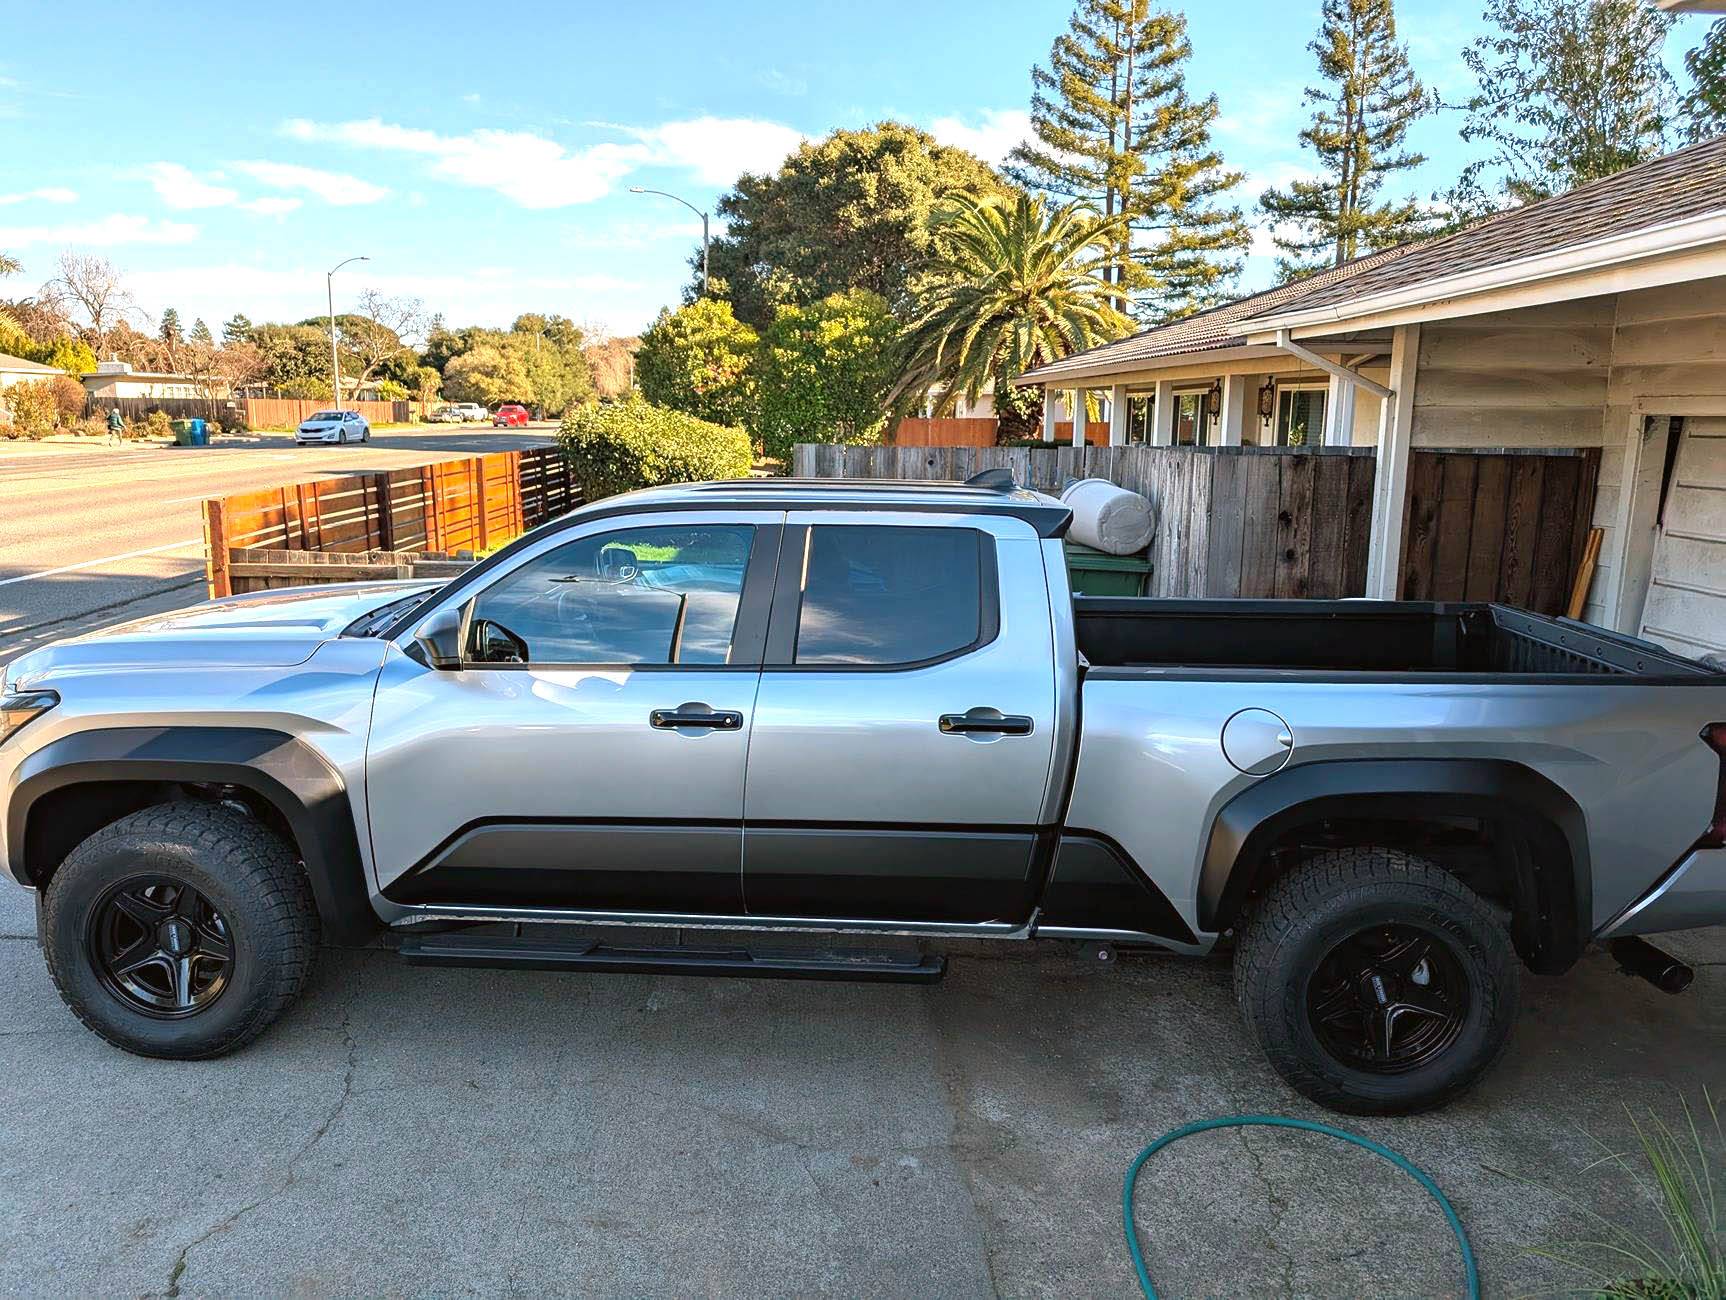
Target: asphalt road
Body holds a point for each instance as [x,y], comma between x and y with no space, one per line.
[92,534]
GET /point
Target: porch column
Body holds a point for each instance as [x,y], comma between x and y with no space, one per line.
[1163,415]
[1339,413]
[1232,419]
[1078,417]
[1390,483]
[1118,408]
[1049,413]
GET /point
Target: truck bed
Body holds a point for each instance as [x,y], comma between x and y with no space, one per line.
[1401,637]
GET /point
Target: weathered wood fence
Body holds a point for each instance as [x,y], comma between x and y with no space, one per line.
[438,509]
[288,412]
[1278,522]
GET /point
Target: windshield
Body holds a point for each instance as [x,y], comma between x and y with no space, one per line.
[325,415]
[374,622]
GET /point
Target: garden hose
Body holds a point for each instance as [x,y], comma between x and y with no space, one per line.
[1277,1121]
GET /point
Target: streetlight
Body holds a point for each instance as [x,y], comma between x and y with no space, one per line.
[636,189]
[335,357]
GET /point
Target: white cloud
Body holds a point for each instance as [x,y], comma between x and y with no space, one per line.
[335,188]
[180,187]
[992,138]
[1271,111]
[537,172]
[272,205]
[47,194]
[120,228]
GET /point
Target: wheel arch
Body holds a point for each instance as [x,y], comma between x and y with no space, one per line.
[114,771]
[1537,831]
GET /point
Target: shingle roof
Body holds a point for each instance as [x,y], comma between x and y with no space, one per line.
[1685,183]
[19,365]
[1206,331]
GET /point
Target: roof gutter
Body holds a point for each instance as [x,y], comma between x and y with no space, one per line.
[1330,367]
[1653,241]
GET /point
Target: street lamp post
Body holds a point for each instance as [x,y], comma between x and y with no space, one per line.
[636,189]
[335,357]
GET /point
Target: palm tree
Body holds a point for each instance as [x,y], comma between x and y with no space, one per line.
[9,266]
[1018,284]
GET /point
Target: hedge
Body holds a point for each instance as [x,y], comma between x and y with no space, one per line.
[620,446]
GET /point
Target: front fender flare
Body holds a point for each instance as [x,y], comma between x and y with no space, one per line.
[288,773]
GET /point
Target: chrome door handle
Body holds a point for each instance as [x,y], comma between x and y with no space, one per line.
[696,715]
[983,721]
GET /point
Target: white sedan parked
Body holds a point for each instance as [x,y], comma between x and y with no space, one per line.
[333,426]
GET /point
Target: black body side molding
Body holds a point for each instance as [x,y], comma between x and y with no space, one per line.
[1095,885]
[1551,883]
[285,772]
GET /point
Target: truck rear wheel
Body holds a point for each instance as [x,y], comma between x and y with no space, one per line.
[182,931]
[1376,983]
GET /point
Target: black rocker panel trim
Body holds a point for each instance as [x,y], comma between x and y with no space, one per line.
[273,765]
[1095,886]
[870,872]
[1555,889]
[599,866]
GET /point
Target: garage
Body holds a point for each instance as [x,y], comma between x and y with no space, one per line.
[1686,604]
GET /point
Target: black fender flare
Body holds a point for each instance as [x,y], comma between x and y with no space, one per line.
[279,768]
[1553,894]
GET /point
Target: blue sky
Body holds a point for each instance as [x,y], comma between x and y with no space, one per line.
[224,156]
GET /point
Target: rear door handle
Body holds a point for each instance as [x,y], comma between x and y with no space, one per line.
[983,721]
[695,714]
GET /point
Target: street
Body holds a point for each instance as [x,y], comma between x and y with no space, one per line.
[96,534]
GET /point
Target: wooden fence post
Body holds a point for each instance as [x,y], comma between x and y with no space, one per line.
[386,511]
[476,469]
[216,549]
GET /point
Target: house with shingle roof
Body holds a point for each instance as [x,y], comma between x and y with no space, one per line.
[1592,320]
[14,370]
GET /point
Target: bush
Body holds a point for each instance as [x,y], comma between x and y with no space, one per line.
[698,359]
[33,408]
[69,399]
[156,425]
[631,444]
[824,371]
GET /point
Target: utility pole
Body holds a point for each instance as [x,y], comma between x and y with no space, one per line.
[335,356]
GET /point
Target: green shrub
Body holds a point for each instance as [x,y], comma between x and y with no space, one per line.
[156,425]
[619,446]
[823,372]
[33,408]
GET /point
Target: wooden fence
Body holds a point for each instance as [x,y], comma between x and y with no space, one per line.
[288,412]
[242,412]
[961,431]
[442,508]
[224,410]
[1277,522]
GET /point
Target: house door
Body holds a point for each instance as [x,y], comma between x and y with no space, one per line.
[1686,605]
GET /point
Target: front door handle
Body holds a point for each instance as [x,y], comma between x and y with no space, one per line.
[696,714]
[983,721]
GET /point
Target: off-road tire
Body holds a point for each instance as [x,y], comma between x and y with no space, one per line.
[242,868]
[1308,912]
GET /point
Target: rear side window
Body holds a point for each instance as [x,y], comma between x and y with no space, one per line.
[893,596]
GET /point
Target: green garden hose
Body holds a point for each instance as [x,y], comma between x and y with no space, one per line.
[1277,1121]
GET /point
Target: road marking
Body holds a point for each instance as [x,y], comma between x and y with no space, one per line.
[106,559]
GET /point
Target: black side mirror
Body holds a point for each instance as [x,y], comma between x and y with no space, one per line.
[439,638]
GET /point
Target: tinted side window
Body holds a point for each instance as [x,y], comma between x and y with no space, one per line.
[635,596]
[884,596]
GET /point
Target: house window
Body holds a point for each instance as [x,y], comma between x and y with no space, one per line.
[1191,422]
[1300,416]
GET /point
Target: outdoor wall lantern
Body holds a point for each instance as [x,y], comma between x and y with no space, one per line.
[1268,400]
[1214,398]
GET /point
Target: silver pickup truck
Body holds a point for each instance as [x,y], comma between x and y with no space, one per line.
[749,717]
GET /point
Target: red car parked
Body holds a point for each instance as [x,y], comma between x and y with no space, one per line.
[510,415]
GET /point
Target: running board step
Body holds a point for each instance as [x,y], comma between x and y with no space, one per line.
[499,951]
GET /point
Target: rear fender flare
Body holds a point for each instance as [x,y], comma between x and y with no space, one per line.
[1553,893]
[281,769]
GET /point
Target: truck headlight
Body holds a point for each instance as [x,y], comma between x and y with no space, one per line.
[19,708]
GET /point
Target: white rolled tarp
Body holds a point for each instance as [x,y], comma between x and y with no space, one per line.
[1109,518]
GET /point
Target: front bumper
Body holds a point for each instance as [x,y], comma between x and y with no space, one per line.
[1692,894]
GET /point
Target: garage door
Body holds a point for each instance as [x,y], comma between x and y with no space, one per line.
[1686,608]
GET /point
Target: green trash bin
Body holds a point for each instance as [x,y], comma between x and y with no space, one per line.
[1097,573]
[182,432]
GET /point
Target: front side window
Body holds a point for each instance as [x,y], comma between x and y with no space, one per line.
[1300,417]
[890,596]
[638,596]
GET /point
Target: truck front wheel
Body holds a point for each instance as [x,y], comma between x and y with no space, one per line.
[183,930]
[1375,982]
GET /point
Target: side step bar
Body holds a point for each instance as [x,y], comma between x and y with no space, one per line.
[504,951]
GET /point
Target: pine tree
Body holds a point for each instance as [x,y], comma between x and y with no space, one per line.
[238,329]
[1115,127]
[170,331]
[1570,91]
[201,333]
[1705,104]
[1359,123]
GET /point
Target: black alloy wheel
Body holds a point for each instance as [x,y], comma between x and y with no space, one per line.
[161,947]
[1388,999]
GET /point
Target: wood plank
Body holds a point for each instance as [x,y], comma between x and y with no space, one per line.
[1326,576]
[1419,539]
[1259,533]
[1357,541]
[1294,526]
[1228,521]
[217,574]
[1521,532]
[1540,389]
[1454,526]
[1559,481]
[1459,347]
[1484,426]
[1486,528]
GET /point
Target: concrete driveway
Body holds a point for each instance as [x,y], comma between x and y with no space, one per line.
[414,1132]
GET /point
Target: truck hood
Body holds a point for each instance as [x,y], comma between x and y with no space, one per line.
[268,629]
